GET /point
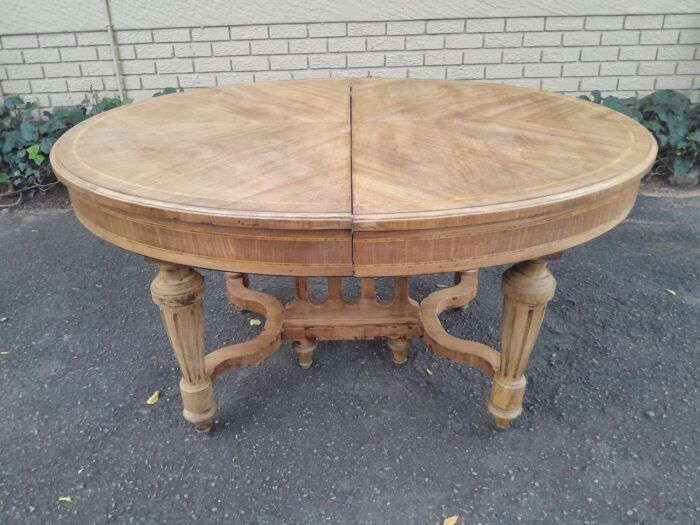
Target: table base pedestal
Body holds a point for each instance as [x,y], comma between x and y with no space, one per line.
[527,288]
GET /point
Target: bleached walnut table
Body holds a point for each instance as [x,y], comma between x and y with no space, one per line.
[374,178]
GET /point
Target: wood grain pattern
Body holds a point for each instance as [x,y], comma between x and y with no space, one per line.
[262,151]
[426,150]
[381,178]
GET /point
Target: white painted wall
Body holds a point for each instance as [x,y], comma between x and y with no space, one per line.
[55,52]
[38,16]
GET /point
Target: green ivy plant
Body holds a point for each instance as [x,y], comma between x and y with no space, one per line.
[674,121]
[27,135]
[167,91]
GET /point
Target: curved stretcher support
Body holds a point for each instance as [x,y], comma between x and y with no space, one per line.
[448,346]
[258,349]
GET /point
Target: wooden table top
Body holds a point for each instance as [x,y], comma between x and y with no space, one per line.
[373,177]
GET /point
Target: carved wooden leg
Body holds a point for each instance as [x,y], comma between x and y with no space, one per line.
[305,352]
[527,288]
[178,291]
[399,350]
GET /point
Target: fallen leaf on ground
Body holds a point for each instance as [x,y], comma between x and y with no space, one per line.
[452,520]
[3,319]
[35,231]
[671,292]
[64,499]
[441,286]
[4,353]
[155,396]
[428,371]
[255,322]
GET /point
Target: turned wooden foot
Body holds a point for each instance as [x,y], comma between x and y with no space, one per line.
[527,288]
[178,291]
[305,352]
[399,350]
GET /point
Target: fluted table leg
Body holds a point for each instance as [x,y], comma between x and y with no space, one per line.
[527,288]
[178,291]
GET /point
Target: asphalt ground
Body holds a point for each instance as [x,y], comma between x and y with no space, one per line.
[609,433]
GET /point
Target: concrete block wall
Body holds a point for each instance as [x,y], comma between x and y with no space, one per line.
[623,55]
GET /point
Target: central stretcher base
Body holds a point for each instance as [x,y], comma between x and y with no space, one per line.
[305,321]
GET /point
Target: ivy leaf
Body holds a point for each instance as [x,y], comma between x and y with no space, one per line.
[28,131]
[654,125]
[694,136]
[681,166]
[166,91]
[34,154]
[11,140]
[677,130]
[619,106]
[45,145]
[674,100]
[52,125]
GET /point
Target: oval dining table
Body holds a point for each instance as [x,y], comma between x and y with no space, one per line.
[365,178]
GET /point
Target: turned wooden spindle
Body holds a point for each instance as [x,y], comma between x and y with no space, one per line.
[304,348]
[399,350]
[178,291]
[399,346]
[301,289]
[401,290]
[305,352]
[335,291]
[368,294]
[527,288]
